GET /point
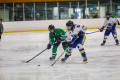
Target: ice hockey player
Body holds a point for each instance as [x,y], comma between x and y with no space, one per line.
[110,23]
[54,37]
[1,28]
[74,31]
[114,17]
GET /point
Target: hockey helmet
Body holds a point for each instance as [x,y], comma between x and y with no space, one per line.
[70,23]
[51,27]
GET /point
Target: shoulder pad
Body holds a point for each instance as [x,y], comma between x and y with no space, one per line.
[78,26]
[105,19]
[83,26]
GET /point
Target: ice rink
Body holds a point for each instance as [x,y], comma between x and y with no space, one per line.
[103,61]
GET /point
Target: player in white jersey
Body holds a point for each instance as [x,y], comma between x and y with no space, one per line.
[110,23]
[114,17]
[74,31]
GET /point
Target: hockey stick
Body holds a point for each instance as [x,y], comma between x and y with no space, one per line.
[63,53]
[93,32]
[36,55]
[96,31]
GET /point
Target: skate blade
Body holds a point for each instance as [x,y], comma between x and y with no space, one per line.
[85,62]
[117,44]
[52,60]
[62,61]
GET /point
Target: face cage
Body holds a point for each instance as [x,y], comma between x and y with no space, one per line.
[70,28]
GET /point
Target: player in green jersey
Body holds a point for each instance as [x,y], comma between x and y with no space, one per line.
[54,37]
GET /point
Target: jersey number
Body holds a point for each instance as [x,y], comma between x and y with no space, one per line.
[78,26]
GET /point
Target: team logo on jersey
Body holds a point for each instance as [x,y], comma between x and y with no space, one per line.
[109,24]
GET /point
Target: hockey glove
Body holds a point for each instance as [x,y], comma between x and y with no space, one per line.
[58,39]
[69,44]
[81,33]
[101,30]
[113,27]
[118,23]
[49,46]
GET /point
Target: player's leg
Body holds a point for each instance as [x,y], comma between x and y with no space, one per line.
[68,53]
[81,48]
[54,50]
[0,37]
[107,32]
[114,33]
[65,45]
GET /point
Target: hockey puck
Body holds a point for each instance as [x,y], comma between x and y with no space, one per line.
[38,65]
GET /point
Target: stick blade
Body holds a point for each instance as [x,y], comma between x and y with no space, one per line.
[23,61]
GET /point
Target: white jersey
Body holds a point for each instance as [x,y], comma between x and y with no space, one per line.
[116,20]
[75,32]
[109,23]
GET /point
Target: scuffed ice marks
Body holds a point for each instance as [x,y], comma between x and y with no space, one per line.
[24,49]
[103,61]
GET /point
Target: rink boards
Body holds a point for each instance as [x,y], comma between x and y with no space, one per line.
[32,26]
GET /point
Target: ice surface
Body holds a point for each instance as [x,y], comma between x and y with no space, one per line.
[103,61]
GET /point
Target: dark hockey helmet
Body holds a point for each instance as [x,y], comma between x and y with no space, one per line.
[0,19]
[107,16]
[111,15]
[70,23]
[51,27]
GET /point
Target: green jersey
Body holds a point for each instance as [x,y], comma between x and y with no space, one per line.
[58,32]
[115,18]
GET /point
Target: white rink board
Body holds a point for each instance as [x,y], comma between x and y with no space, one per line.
[43,24]
[103,61]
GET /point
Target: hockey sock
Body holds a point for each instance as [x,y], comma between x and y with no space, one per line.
[54,49]
[54,55]
[67,55]
[65,48]
[105,38]
[116,40]
[82,51]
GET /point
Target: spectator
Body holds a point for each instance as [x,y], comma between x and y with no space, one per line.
[20,18]
[72,16]
[38,17]
[16,17]
[96,15]
[29,17]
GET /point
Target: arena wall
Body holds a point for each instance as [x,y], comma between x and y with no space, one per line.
[25,26]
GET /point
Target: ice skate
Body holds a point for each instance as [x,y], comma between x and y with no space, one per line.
[85,59]
[52,58]
[102,44]
[117,43]
[63,59]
